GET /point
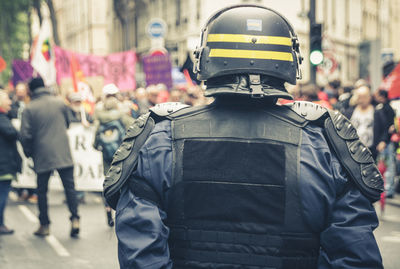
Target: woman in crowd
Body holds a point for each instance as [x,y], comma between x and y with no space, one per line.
[10,161]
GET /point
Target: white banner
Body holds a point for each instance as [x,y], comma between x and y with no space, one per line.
[88,169]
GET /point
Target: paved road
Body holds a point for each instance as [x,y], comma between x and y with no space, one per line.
[388,233]
[95,249]
[97,246]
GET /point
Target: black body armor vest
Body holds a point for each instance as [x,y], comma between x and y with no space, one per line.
[234,201]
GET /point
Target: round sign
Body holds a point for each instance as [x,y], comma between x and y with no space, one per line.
[329,64]
[156,28]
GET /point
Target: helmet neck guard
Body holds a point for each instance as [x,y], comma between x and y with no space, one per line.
[254,86]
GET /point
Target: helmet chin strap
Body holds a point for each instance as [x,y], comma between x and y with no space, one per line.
[255,86]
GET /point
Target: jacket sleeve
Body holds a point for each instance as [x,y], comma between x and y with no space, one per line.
[26,137]
[336,209]
[7,130]
[142,235]
[141,232]
[67,114]
[381,130]
[14,110]
[348,240]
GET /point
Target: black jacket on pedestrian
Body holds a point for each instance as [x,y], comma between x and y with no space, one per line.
[44,137]
[388,115]
[10,160]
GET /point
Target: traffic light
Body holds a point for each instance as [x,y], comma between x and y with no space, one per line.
[316,55]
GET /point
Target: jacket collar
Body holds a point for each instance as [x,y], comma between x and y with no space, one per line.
[239,85]
[40,92]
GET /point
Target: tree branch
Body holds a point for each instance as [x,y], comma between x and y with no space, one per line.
[53,18]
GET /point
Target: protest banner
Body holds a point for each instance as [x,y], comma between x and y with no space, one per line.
[158,69]
[117,68]
[22,71]
[88,169]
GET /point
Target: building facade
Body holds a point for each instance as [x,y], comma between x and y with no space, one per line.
[83,25]
[106,26]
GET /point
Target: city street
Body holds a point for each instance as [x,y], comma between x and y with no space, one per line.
[388,233]
[227,114]
[97,245]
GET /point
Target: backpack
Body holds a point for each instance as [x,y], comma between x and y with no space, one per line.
[109,138]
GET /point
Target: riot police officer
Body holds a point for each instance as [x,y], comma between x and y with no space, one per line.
[244,182]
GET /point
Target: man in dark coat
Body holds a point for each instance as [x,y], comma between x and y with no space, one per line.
[44,138]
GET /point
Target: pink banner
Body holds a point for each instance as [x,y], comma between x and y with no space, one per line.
[117,68]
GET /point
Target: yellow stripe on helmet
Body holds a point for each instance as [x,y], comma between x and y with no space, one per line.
[273,40]
[252,54]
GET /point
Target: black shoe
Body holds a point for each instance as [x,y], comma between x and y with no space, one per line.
[110,220]
[4,230]
[74,228]
[43,230]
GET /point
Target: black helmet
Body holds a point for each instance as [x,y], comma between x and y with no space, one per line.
[248,39]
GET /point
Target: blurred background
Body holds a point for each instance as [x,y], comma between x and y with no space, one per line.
[140,53]
[358,38]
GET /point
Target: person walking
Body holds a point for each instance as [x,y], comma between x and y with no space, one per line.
[243,182]
[78,114]
[111,124]
[44,138]
[10,160]
[370,123]
[388,155]
[21,99]
[19,102]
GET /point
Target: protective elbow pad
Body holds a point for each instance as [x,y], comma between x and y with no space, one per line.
[353,155]
[125,158]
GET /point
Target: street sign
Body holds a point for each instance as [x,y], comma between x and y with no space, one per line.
[156,28]
[329,64]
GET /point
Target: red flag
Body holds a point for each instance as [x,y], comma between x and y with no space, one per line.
[76,72]
[392,83]
[81,86]
[187,77]
[87,96]
[3,64]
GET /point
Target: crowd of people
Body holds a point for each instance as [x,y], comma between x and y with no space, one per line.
[114,111]
[371,113]
[44,113]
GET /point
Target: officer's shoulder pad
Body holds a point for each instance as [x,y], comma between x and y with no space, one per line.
[309,111]
[165,109]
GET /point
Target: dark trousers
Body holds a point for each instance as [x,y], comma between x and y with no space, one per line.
[5,186]
[67,178]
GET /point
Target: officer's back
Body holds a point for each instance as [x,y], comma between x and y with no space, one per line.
[243,182]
